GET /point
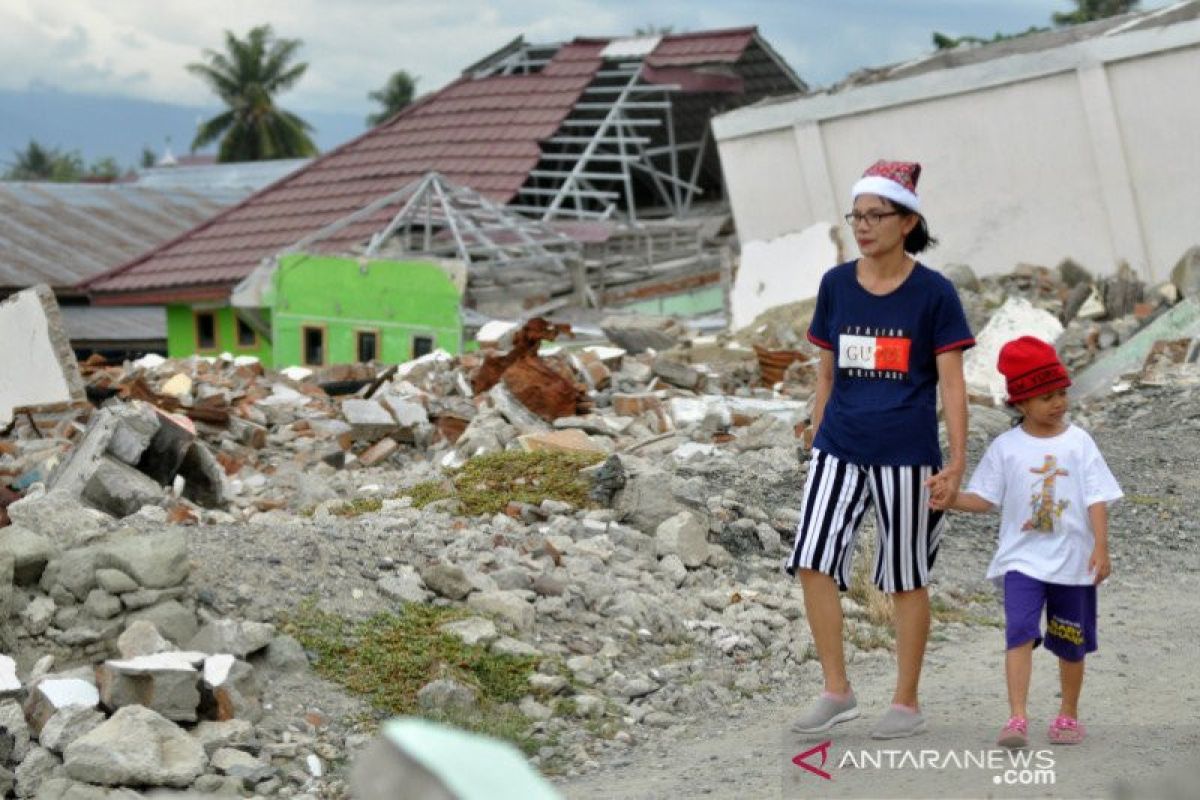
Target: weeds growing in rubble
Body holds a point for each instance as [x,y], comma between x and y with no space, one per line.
[487,484]
[389,657]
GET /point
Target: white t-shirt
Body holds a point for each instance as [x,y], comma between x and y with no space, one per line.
[1043,487]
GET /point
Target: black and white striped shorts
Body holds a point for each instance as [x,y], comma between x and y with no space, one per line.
[837,495]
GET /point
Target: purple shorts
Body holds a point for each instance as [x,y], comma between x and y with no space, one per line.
[1070,615]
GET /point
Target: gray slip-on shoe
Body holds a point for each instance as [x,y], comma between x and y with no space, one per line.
[826,712]
[897,723]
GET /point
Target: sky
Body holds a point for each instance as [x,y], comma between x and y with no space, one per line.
[139,48]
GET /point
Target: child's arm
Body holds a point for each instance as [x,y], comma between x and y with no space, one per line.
[1099,564]
[967,501]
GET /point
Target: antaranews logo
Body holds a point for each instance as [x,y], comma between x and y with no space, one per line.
[1009,767]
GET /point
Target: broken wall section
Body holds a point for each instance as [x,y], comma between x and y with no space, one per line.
[37,364]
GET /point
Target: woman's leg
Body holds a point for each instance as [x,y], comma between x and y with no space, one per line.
[823,609]
[911,616]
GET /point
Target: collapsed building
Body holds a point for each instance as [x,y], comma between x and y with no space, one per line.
[604,143]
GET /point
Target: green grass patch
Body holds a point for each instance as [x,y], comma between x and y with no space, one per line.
[386,659]
[488,483]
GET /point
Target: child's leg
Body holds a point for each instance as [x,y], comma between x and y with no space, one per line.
[1024,598]
[1071,674]
[1018,666]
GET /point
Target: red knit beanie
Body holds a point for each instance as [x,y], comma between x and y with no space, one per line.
[1032,369]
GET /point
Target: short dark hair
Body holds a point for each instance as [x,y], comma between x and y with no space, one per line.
[918,239]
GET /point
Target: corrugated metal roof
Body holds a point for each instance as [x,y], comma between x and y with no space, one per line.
[61,234]
[114,323]
[484,133]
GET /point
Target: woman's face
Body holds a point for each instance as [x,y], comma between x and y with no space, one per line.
[885,236]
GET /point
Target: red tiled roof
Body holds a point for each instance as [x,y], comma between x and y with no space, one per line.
[483,133]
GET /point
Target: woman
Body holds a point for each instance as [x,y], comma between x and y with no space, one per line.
[891,332]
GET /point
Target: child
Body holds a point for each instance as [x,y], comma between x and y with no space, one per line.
[1052,488]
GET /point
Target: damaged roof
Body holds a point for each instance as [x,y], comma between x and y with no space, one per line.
[484,130]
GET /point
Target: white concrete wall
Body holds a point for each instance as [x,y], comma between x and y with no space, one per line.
[33,371]
[1088,151]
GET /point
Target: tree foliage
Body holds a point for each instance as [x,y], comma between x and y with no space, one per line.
[37,162]
[397,93]
[1089,10]
[247,76]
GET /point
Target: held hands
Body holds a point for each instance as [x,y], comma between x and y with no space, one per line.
[943,487]
[1099,565]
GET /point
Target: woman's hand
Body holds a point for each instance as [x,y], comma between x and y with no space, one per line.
[943,487]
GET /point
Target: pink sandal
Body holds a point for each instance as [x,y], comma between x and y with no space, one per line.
[1066,730]
[1015,733]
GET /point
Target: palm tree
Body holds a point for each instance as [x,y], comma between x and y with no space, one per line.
[397,93]
[246,77]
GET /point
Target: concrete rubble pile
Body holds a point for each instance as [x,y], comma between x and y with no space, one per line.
[153,543]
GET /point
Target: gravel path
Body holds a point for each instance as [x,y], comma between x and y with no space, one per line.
[1141,698]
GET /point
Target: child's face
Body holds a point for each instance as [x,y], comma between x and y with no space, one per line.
[1047,410]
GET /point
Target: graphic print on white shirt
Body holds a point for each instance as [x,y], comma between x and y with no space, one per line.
[1045,510]
[872,352]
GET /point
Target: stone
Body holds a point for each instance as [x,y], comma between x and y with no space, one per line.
[230,761]
[637,333]
[163,682]
[58,515]
[10,684]
[672,566]
[120,489]
[404,586]
[1186,273]
[75,571]
[136,747]
[36,616]
[7,566]
[642,502]
[114,581]
[508,605]
[213,735]
[14,733]
[369,420]
[962,276]
[156,560]
[683,535]
[534,710]
[178,385]
[141,638]
[68,724]
[38,766]
[239,638]
[766,431]
[204,478]
[378,452]
[571,440]
[29,551]
[283,655]
[473,631]
[176,623]
[446,580]
[446,695]
[229,690]
[1073,274]
[101,605]
[508,646]
[678,374]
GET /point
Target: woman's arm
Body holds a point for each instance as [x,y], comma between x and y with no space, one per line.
[944,485]
[821,395]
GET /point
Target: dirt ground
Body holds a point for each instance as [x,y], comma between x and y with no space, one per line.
[1141,695]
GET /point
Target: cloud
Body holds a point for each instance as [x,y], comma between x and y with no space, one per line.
[141,47]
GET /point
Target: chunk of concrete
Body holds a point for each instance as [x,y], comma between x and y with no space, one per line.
[1182,321]
[164,682]
[156,560]
[229,690]
[1017,317]
[204,479]
[369,421]
[1186,274]
[28,551]
[237,637]
[783,270]
[120,489]
[167,449]
[685,536]
[36,348]
[53,694]
[137,423]
[136,747]
[637,333]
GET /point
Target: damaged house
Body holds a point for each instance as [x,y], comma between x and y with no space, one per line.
[1071,143]
[604,144]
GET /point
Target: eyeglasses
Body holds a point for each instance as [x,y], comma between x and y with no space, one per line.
[871,217]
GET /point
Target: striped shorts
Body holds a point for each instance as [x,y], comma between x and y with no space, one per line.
[837,495]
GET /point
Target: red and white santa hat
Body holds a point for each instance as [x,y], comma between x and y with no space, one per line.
[895,180]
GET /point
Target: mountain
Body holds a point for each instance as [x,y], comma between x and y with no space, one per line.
[120,127]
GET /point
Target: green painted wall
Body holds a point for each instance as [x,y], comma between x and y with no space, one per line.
[706,300]
[399,299]
[181,334]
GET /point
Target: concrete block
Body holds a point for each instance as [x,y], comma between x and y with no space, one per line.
[167,449]
[164,682]
[119,488]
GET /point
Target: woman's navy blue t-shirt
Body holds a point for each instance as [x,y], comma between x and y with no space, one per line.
[883,407]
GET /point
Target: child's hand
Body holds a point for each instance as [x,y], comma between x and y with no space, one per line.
[1099,565]
[943,488]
